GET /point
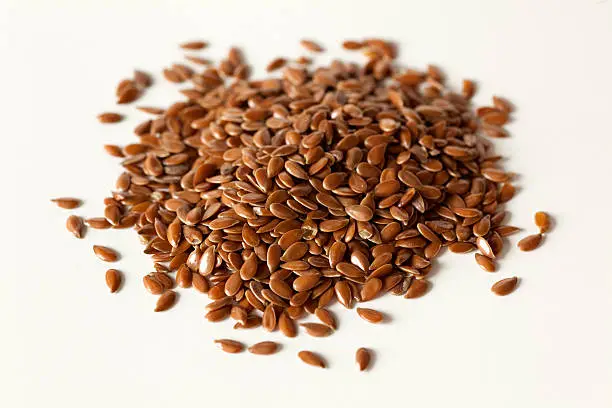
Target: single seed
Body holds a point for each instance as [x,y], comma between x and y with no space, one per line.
[106,254]
[505,286]
[326,317]
[74,224]
[230,346]
[486,263]
[317,329]
[110,117]
[530,242]
[363,356]
[542,221]
[193,45]
[264,348]
[165,301]
[113,280]
[370,315]
[68,203]
[311,358]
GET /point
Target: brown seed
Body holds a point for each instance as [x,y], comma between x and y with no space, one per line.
[286,325]
[417,289]
[193,45]
[152,285]
[360,212]
[530,242]
[199,283]
[326,317]
[142,79]
[110,117]
[505,286]
[230,346]
[370,315]
[311,358]
[104,253]
[129,94]
[269,318]
[486,263]
[371,288]
[363,356]
[311,46]
[264,348]
[184,276]
[113,280]
[317,329]
[276,64]
[165,301]
[74,224]
[68,203]
[542,221]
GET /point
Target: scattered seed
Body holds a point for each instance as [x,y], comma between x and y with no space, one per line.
[317,329]
[505,286]
[110,117]
[68,203]
[370,315]
[193,45]
[74,224]
[311,46]
[264,348]
[311,358]
[165,301]
[542,221]
[230,346]
[106,254]
[530,242]
[363,357]
[113,280]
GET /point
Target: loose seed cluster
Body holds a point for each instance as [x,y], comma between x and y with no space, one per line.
[279,196]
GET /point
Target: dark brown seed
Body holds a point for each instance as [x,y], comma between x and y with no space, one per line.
[311,358]
[104,253]
[165,301]
[530,242]
[230,346]
[505,286]
[363,357]
[370,315]
[113,280]
[110,117]
[317,329]
[68,203]
[542,221]
[264,348]
[74,224]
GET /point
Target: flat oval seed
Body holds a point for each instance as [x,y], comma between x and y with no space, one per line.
[113,280]
[504,286]
[530,242]
[230,346]
[362,358]
[104,253]
[417,289]
[74,224]
[317,329]
[311,358]
[542,221]
[360,212]
[165,301]
[370,315]
[486,263]
[264,348]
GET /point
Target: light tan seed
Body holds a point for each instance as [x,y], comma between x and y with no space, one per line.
[486,263]
[113,280]
[264,348]
[505,286]
[542,221]
[106,254]
[109,117]
[530,242]
[74,224]
[68,203]
[363,357]
[311,358]
[370,315]
[165,301]
[230,346]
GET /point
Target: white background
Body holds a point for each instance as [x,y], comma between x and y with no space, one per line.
[65,341]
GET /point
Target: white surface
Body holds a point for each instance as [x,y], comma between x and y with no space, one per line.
[67,342]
